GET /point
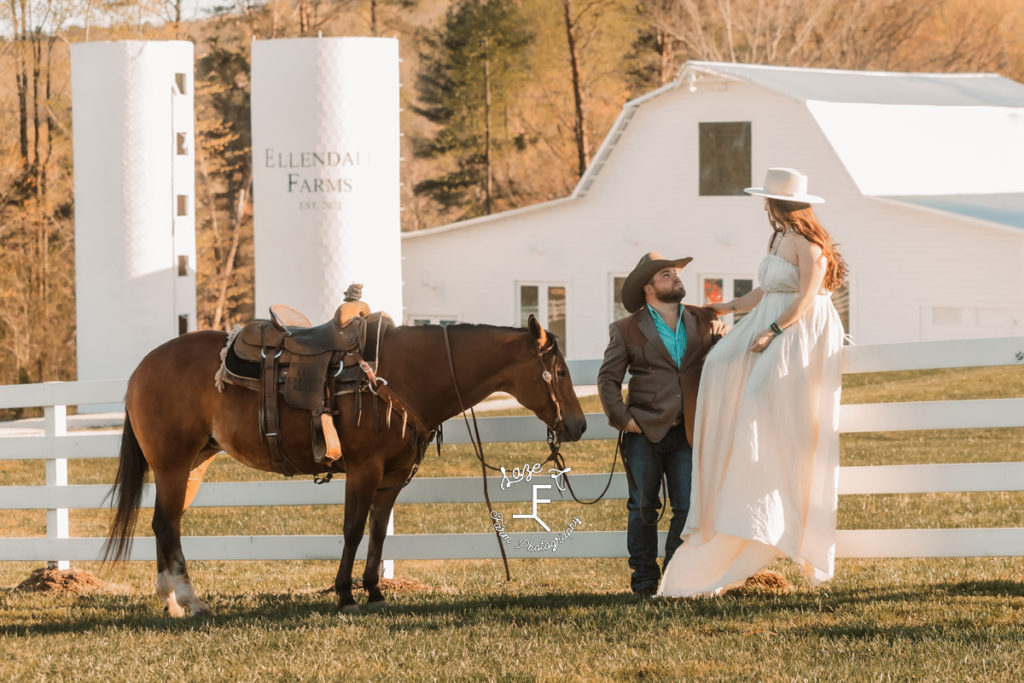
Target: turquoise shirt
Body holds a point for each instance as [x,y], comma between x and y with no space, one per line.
[675,342]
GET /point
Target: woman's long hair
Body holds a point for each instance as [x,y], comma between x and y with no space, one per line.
[800,218]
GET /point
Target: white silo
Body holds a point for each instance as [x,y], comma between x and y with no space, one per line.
[325,141]
[135,254]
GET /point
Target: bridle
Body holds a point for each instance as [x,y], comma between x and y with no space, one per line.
[549,380]
[555,442]
[545,374]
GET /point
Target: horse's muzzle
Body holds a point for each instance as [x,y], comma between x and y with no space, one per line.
[572,428]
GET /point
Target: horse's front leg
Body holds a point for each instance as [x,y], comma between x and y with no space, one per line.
[380,513]
[359,491]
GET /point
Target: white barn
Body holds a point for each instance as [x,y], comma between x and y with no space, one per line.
[923,176]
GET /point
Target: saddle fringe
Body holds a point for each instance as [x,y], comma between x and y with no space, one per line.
[220,378]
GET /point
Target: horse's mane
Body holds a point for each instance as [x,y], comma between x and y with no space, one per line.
[482,327]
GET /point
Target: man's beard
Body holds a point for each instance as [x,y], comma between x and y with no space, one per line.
[673,297]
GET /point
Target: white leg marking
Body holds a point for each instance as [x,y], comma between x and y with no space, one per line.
[165,591]
[186,595]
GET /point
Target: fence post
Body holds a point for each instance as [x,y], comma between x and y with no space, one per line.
[55,426]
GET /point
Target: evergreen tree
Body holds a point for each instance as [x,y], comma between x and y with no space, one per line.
[471,69]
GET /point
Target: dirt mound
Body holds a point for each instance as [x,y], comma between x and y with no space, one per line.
[765,582]
[63,581]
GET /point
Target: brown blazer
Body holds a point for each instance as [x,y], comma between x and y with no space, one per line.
[658,390]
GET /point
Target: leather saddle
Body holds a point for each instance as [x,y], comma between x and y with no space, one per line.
[290,331]
[286,358]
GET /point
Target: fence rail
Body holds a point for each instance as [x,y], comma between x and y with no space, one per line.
[56,446]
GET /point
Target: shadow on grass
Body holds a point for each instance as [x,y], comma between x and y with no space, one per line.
[434,611]
[999,587]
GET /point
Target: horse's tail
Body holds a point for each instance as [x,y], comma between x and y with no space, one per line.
[131,472]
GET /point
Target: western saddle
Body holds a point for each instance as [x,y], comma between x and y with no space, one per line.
[307,366]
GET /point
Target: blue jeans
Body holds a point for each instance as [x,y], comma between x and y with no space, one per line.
[645,462]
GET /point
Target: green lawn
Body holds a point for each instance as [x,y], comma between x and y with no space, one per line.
[925,619]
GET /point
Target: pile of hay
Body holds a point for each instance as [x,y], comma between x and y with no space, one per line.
[63,581]
[765,582]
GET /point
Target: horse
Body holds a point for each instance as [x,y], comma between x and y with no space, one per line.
[177,420]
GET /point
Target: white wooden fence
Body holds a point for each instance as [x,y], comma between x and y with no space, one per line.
[57,445]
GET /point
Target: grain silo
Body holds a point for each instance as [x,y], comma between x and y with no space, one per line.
[132,113]
[325,130]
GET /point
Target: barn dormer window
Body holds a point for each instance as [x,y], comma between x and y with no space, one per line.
[724,158]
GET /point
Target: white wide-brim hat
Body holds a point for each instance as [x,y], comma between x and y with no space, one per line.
[788,184]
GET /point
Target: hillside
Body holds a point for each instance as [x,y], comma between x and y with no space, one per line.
[558,71]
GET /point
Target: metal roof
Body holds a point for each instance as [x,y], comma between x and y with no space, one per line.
[876,87]
[825,86]
[1000,209]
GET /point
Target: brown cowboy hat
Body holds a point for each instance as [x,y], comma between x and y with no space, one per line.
[649,264]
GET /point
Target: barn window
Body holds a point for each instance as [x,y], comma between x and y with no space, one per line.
[724,158]
[547,302]
[181,144]
[181,83]
[719,288]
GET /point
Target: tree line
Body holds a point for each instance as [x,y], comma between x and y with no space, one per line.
[505,103]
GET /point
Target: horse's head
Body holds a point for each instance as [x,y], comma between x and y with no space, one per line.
[548,390]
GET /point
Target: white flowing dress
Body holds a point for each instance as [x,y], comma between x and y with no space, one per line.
[765,447]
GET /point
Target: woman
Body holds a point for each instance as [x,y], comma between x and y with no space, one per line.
[766,446]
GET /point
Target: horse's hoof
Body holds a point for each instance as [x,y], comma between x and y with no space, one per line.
[374,595]
[350,609]
[175,613]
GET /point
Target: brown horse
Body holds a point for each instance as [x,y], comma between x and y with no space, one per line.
[176,421]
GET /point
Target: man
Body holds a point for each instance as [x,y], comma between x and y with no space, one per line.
[663,345]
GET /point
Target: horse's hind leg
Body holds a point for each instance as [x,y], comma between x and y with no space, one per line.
[164,583]
[380,513]
[175,491]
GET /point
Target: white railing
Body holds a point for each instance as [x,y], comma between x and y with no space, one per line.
[56,445]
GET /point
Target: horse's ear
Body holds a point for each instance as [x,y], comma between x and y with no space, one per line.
[538,332]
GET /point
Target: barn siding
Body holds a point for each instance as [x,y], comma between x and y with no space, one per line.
[646,197]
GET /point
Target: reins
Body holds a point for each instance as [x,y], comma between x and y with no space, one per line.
[474,439]
[556,457]
[554,443]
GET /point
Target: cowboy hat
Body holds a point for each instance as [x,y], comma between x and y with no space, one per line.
[788,184]
[649,264]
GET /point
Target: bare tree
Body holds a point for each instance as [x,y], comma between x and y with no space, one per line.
[868,34]
[580,124]
[970,36]
[849,34]
[753,31]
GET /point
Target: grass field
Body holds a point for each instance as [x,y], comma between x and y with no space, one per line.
[930,619]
